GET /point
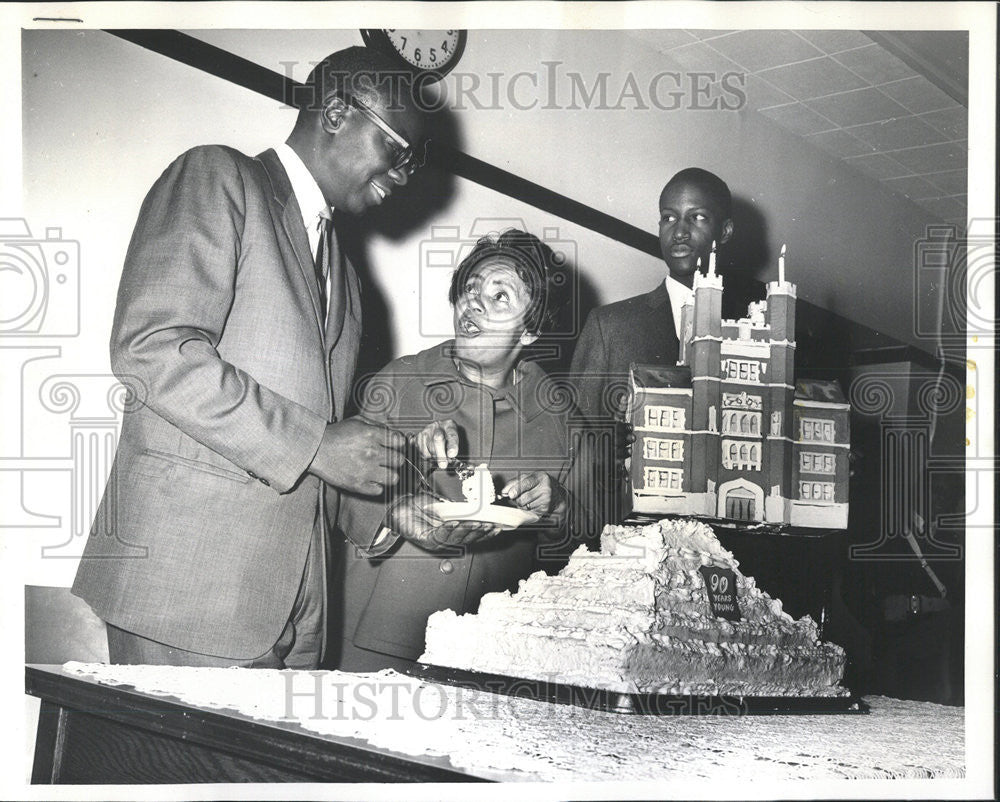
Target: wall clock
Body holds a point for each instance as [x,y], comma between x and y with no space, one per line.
[430,53]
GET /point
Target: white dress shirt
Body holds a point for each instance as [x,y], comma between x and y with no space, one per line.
[310,197]
[679,294]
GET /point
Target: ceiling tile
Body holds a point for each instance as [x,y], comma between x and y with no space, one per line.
[933,158]
[809,79]
[661,40]
[797,118]
[857,108]
[700,57]
[954,206]
[839,143]
[875,64]
[918,95]
[759,50]
[953,122]
[903,132]
[950,182]
[761,94]
[836,41]
[705,34]
[878,165]
[912,187]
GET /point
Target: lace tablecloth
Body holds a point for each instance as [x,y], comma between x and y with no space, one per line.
[503,737]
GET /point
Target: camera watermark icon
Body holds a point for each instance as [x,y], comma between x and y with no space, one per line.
[441,255]
[39,282]
[953,281]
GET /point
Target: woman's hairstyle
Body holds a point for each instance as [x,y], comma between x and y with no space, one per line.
[532,260]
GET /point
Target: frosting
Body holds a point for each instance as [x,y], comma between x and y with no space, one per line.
[478,486]
[636,616]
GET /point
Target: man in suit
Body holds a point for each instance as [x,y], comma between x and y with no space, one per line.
[239,349]
[695,212]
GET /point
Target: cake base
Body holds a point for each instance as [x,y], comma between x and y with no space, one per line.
[650,704]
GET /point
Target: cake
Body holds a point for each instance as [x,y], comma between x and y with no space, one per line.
[652,612]
[729,433]
[477,485]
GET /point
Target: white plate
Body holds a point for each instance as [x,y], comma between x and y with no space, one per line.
[507,517]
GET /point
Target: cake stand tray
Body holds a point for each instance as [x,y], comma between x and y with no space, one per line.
[654,704]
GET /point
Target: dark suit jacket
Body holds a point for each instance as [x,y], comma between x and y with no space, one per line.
[202,535]
[639,329]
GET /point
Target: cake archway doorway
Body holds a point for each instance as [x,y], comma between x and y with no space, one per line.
[741,500]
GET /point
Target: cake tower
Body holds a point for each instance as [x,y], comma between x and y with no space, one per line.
[729,433]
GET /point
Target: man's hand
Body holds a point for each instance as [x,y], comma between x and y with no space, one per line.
[439,440]
[411,518]
[359,457]
[538,492]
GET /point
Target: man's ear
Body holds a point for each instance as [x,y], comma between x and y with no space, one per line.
[334,111]
[727,231]
[527,338]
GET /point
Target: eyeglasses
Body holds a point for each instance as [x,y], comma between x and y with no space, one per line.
[404,157]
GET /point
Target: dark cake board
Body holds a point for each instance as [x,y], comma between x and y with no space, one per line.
[651,704]
[729,525]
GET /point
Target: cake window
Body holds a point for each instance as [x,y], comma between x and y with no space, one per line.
[663,478]
[660,449]
[816,491]
[811,462]
[664,417]
[817,430]
[745,370]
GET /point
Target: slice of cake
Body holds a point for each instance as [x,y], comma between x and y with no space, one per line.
[660,609]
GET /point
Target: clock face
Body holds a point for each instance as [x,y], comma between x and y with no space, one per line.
[427,50]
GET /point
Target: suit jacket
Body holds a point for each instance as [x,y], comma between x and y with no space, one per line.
[387,600]
[638,329]
[202,535]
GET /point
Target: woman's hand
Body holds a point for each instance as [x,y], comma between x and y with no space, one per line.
[538,492]
[438,441]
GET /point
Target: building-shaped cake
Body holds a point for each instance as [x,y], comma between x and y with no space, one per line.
[729,433]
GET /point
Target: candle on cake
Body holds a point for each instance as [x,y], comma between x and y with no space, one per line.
[711,260]
[781,265]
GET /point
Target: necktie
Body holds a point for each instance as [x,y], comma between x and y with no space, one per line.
[324,258]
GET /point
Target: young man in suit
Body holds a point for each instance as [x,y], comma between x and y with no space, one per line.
[239,348]
[695,211]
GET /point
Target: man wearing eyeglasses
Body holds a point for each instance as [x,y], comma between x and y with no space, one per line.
[237,329]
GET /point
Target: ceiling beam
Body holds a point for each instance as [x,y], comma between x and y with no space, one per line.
[240,71]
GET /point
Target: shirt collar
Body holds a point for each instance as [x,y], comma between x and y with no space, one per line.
[307,191]
[522,393]
[678,295]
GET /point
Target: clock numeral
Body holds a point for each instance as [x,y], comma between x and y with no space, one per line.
[449,33]
[434,54]
[404,41]
[416,54]
[444,45]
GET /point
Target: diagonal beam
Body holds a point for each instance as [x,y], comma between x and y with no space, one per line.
[250,75]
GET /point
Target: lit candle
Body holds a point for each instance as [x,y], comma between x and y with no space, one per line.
[781,266]
[711,260]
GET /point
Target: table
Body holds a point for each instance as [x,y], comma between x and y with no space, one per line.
[181,726]
[92,733]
